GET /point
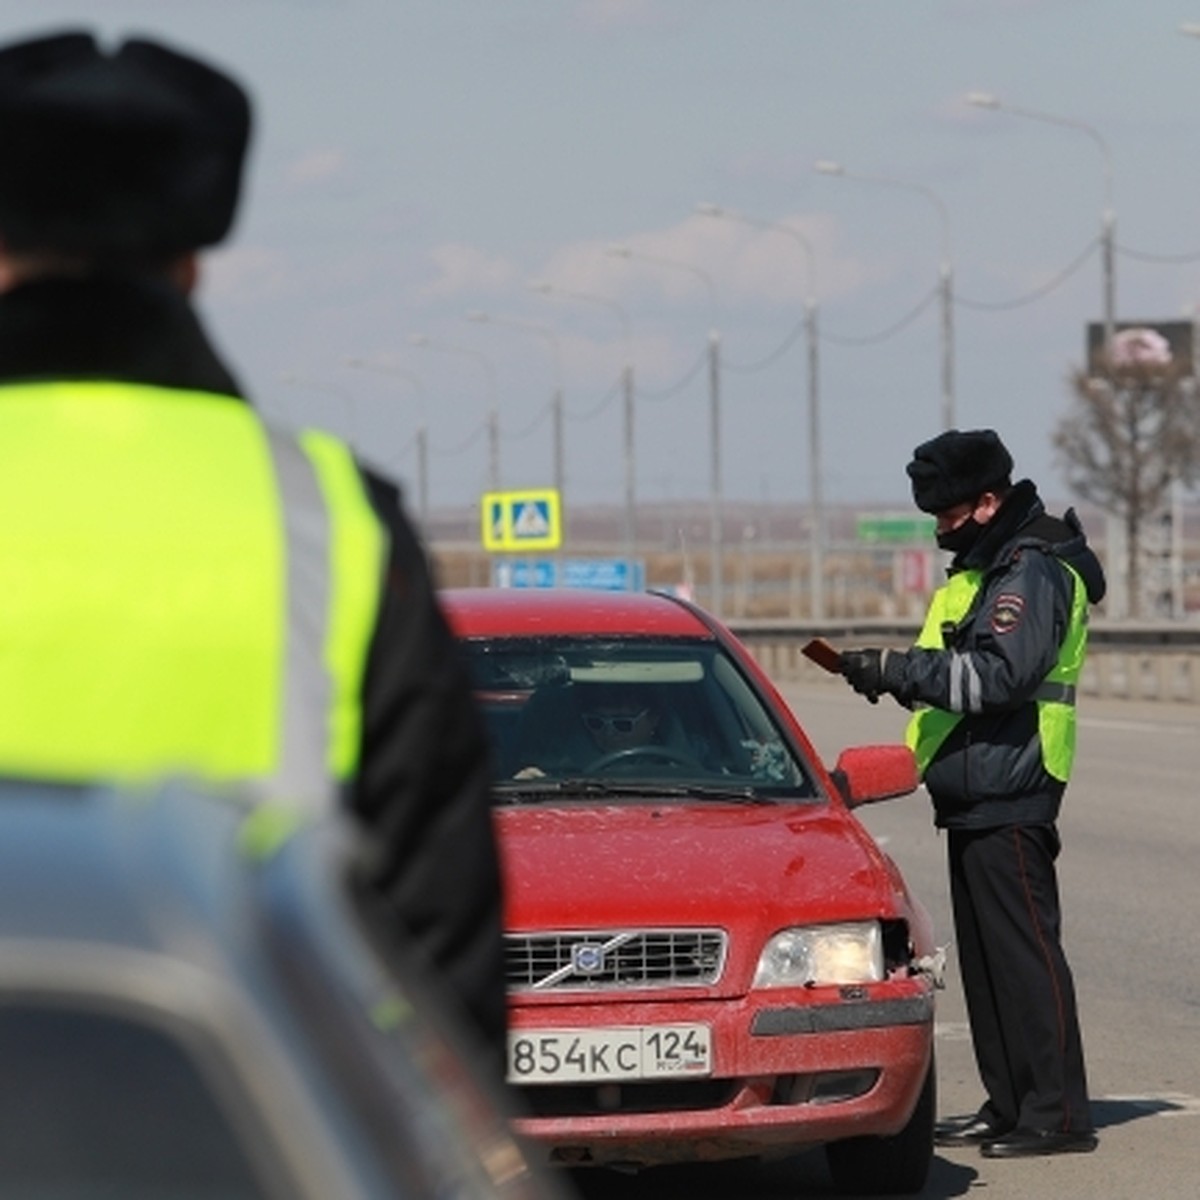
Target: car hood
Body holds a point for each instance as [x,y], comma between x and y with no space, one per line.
[753,869]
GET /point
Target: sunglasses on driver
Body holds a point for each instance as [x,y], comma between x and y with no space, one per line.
[602,723]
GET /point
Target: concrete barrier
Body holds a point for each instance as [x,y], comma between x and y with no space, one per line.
[1129,662]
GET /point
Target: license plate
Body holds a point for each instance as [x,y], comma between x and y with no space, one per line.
[600,1055]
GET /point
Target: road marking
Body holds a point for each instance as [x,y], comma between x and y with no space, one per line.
[952,1031]
[1165,1104]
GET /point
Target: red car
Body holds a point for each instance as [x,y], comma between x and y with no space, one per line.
[708,955]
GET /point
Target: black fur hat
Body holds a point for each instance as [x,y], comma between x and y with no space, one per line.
[958,465]
[137,152]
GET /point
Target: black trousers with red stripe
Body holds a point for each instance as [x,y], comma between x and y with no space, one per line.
[1019,993]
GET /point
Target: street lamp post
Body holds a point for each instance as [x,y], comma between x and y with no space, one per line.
[422,435]
[493,419]
[716,505]
[1108,217]
[629,536]
[945,274]
[556,403]
[1118,602]
[1108,234]
[816,504]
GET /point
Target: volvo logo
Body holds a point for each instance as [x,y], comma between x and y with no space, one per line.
[587,958]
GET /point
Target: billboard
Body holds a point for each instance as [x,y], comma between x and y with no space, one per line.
[1160,342]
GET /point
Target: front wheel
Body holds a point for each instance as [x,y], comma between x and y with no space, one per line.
[888,1166]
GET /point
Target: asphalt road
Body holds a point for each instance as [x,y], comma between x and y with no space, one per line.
[1130,880]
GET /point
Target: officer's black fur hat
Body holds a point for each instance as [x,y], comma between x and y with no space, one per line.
[134,153]
[958,465]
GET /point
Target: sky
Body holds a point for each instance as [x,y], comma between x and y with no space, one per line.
[417,161]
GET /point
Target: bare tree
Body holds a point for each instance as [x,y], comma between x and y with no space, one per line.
[1134,429]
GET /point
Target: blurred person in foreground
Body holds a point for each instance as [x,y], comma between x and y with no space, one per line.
[185,590]
[993,680]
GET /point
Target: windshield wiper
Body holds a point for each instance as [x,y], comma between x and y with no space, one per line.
[510,791]
[730,792]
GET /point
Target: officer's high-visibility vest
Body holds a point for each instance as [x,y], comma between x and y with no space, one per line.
[182,591]
[929,727]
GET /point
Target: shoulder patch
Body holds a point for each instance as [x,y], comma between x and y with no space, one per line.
[1007,610]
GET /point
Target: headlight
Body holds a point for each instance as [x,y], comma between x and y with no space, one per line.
[850,953]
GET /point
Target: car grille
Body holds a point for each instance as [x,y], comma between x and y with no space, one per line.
[595,959]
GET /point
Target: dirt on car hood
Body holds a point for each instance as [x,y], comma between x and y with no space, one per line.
[753,869]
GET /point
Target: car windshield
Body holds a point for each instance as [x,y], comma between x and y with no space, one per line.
[610,716]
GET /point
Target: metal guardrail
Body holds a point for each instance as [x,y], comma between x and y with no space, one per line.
[1128,661]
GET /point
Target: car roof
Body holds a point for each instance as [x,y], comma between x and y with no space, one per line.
[533,612]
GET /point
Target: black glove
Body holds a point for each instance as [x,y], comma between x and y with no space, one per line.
[863,670]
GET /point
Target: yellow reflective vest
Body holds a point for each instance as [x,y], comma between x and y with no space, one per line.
[929,727]
[183,591]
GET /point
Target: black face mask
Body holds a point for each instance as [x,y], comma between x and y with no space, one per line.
[960,540]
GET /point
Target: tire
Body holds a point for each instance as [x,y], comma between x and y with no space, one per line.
[888,1166]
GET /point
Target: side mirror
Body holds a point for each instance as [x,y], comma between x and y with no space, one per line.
[866,774]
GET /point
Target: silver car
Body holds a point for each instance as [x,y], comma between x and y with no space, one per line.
[199,1004]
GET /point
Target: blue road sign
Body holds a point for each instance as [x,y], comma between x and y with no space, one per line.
[601,574]
[606,574]
[523,573]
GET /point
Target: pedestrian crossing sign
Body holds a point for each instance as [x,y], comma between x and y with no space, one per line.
[519,521]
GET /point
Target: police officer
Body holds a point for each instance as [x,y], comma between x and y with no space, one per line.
[992,678]
[183,589]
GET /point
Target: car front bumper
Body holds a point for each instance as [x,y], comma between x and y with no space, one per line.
[789,1070]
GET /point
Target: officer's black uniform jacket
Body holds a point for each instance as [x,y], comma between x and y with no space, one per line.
[989,770]
[423,785]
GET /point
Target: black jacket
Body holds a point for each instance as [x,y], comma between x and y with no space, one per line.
[423,786]
[989,771]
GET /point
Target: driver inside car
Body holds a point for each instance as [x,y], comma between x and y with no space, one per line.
[621,721]
[606,723]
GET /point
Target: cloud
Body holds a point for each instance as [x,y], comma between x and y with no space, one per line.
[957,112]
[247,274]
[739,261]
[616,15]
[462,270]
[972,13]
[253,273]
[318,165]
[756,166]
